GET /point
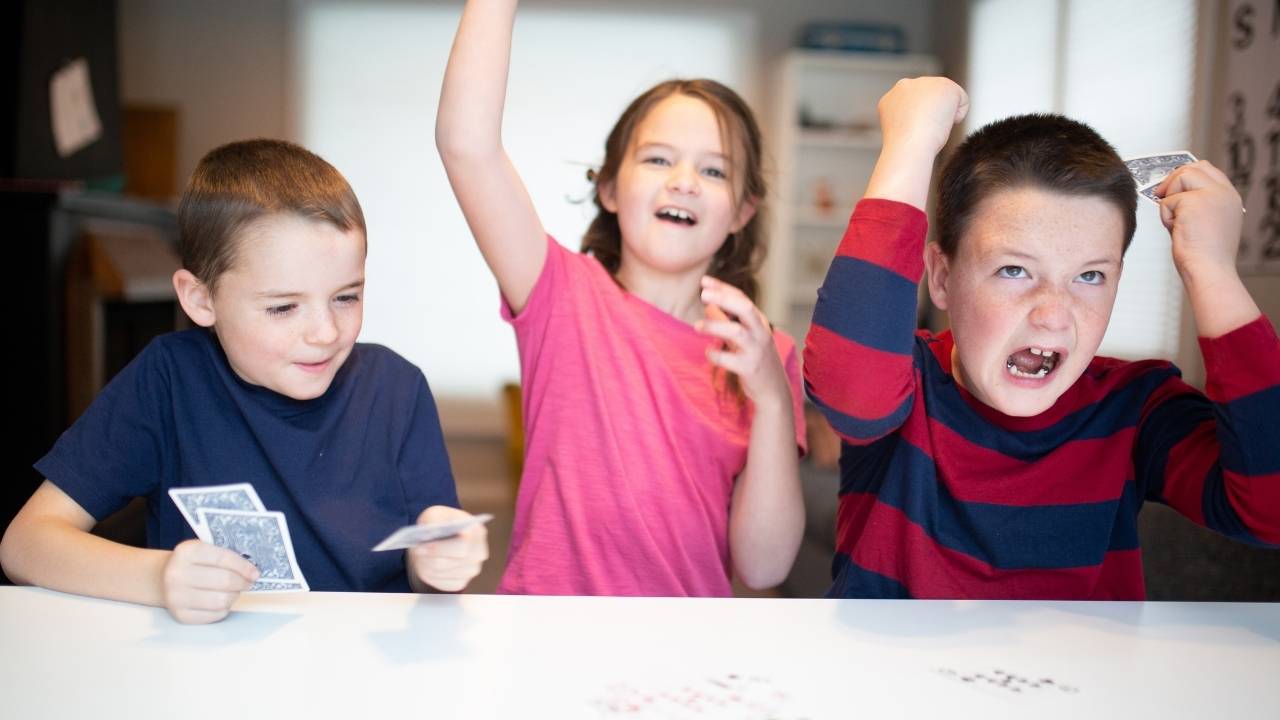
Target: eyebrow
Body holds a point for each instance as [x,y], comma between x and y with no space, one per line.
[1003,252]
[285,294]
[665,146]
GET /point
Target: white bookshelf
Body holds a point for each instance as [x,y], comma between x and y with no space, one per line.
[836,146]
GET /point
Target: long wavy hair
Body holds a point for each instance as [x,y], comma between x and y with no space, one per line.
[738,260]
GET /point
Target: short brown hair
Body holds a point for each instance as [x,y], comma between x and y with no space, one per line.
[242,182]
[1044,151]
[738,260]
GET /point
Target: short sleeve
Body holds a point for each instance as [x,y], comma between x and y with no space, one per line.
[424,461]
[121,447]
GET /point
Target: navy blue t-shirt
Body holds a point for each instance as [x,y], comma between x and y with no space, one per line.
[346,468]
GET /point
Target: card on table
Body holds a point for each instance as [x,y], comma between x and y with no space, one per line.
[410,535]
[1149,170]
[263,539]
[237,496]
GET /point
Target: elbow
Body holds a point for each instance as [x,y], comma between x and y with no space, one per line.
[762,579]
[9,558]
[459,144]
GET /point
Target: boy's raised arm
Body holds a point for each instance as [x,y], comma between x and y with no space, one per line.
[858,354]
[469,138]
[1202,211]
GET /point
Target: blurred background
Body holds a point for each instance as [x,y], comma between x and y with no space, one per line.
[109,105]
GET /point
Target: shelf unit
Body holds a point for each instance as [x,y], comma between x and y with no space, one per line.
[824,137]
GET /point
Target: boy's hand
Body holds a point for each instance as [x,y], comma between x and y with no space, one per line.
[916,118]
[920,113]
[448,564]
[1202,211]
[201,581]
[749,350]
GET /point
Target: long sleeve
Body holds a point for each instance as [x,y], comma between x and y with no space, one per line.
[858,366]
[1215,457]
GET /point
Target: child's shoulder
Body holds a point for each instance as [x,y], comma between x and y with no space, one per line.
[376,361]
[1127,381]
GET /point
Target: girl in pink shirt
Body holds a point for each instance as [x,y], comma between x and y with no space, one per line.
[662,413]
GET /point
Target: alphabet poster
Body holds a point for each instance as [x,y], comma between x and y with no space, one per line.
[1246,131]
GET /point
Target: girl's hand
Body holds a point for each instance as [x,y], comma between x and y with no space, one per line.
[1202,211]
[448,564]
[749,350]
[920,112]
[201,581]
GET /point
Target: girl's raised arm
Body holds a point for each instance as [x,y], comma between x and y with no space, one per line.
[469,138]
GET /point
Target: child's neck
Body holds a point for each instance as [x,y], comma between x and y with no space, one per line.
[677,294]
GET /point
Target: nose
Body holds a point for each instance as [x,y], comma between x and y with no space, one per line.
[323,327]
[683,179]
[1051,309]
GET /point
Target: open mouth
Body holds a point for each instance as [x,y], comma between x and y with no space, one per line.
[676,215]
[1033,363]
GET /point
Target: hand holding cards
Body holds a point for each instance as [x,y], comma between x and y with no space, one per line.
[411,535]
[444,550]
[1150,170]
[233,517]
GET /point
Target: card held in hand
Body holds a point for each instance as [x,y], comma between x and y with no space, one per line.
[410,535]
[238,496]
[1149,170]
[262,538]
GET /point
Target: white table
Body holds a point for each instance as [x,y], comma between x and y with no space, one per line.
[393,656]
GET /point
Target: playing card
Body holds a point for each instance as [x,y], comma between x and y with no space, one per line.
[410,535]
[1149,170]
[1149,191]
[262,538]
[238,496]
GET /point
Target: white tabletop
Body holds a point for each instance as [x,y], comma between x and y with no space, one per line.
[372,656]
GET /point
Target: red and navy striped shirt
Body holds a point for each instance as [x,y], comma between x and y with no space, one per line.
[942,496]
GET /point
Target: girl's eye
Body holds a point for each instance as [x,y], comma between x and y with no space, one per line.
[715,173]
[1093,277]
[655,160]
[281,309]
[1012,272]
[350,299]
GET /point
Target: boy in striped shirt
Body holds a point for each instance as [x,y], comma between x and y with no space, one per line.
[1003,458]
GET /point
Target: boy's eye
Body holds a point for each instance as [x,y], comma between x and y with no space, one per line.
[281,309]
[1093,277]
[1012,272]
[348,299]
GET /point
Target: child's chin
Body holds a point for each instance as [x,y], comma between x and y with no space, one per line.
[1027,403]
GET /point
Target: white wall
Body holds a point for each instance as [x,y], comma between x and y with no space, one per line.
[364,97]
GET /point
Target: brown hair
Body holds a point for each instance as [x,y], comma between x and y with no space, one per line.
[242,182]
[1040,150]
[738,260]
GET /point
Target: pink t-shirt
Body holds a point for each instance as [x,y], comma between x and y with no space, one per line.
[631,448]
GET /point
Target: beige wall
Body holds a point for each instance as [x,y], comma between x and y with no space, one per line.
[222,64]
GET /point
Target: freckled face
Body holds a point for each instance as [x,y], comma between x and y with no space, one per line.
[1029,292]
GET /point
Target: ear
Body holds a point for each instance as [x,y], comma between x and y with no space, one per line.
[195,298]
[607,192]
[746,211]
[938,272]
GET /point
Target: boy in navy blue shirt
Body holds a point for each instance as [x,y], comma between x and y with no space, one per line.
[272,389]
